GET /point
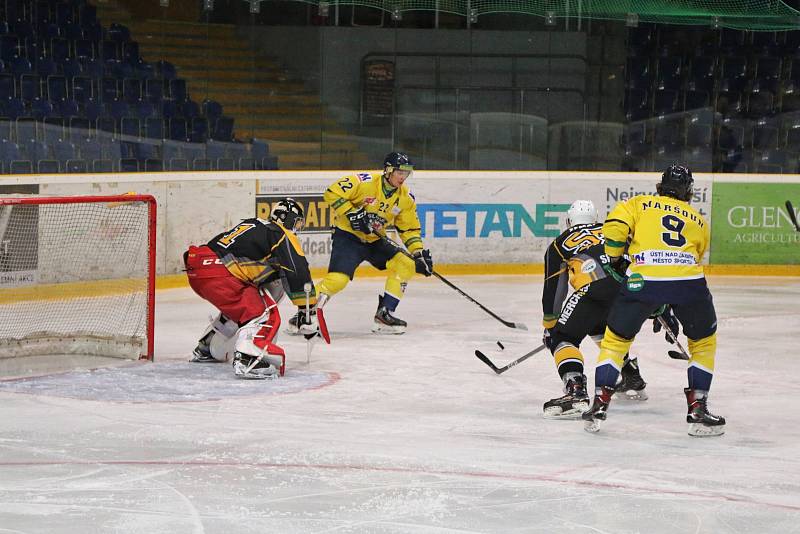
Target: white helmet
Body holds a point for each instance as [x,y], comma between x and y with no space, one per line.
[581,212]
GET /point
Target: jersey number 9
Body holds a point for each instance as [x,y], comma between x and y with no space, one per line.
[673,236]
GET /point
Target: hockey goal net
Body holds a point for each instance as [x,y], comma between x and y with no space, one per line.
[77,276]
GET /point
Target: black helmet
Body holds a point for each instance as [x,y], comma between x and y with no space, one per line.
[676,182]
[397,160]
[289,213]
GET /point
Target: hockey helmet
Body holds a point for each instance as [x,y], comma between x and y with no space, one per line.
[397,161]
[289,213]
[581,212]
[676,182]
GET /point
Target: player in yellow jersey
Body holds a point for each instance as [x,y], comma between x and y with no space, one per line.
[365,205]
[666,239]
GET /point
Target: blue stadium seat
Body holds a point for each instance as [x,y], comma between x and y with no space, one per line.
[23,166]
[131,126]
[670,73]
[103,165]
[154,128]
[223,129]
[80,127]
[178,164]
[56,88]
[169,109]
[130,52]
[154,90]
[47,166]
[76,166]
[190,109]
[129,165]
[637,73]
[41,108]
[202,164]
[82,89]
[177,90]
[259,150]
[199,131]
[119,32]
[153,165]
[165,70]
[212,110]
[93,109]
[698,135]
[46,67]
[178,130]
[85,49]
[109,89]
[132,90]
[7,87]
[59,49]
[6,129]
[64,150]
[30,87]
[71,67]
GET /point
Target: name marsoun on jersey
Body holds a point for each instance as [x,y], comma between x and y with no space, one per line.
[677,210]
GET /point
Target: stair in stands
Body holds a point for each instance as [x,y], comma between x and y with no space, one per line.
[266,101]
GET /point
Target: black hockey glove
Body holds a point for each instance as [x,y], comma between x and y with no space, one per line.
[616,267]
[547,339]
[665,312]
[359,221]
[424,262]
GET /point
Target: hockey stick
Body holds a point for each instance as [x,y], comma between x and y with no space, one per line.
[674,354]
[792,215]
[307,290]
[509,324]
[499,370]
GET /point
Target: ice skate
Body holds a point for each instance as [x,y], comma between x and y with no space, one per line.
[260,371]
[702,423]
[572,404]
[595,414]
[386,323]
[202,352]
[630,385]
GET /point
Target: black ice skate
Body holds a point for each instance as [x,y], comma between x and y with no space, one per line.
[631,385]
[572,404]
[595,414]
[386,323]
[702,423]
[246,366]
[202,352]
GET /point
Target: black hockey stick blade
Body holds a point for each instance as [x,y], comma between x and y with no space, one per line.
[792,215]
[675,355]
[500,370]
[482,357]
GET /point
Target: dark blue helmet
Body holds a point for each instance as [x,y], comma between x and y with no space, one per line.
[397,160]
[289,213]
[676,182]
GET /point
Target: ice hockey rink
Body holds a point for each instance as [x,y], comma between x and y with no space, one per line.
[410,433]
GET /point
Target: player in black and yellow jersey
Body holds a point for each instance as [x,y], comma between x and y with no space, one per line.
[576,258]
[666,239]
[244,272]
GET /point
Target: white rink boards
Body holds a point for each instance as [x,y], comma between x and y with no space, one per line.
[412,433]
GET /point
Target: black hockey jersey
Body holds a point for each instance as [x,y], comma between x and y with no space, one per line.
[575,257]
[258,251]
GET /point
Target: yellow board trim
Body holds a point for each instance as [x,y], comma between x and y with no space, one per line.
[103,288]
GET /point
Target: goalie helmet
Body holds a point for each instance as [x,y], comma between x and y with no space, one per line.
[289,213]
[581,212]
[397,161]
[676,182]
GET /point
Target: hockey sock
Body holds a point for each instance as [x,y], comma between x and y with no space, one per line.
[609,363]
[568,359]
[701,364]
[333,283]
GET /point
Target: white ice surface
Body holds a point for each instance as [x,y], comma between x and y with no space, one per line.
[416,435]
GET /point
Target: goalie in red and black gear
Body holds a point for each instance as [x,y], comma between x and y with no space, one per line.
[576,258]
[244,272]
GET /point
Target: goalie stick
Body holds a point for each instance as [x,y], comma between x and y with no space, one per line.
[792,215]
[500,370]
[674,354]
[510,324]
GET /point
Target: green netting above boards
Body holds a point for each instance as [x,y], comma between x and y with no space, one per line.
[758,15]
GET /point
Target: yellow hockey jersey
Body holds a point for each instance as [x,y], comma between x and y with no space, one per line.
[395,206]
[667,237]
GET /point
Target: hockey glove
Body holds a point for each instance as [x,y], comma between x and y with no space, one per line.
[424,262]
[615,268]
[547,339]
[665,312]
[307,325]
[360,221]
